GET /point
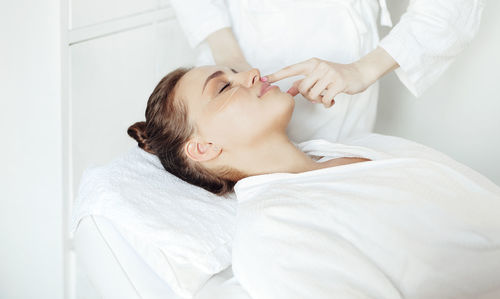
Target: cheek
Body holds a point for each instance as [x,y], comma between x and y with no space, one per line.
[235,123]
[235,111]
[244,119]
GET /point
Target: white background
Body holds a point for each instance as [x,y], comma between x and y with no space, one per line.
[460,114]
[31,192]
[64,107]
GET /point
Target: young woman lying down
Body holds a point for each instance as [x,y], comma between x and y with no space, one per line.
[321,219]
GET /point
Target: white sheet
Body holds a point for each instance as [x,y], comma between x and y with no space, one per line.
[424,227]
[222,285]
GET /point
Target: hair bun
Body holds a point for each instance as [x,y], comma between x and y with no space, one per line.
[138,132]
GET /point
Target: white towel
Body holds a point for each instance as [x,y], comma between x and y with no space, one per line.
[182,231]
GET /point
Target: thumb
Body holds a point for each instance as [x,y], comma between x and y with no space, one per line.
[294,90]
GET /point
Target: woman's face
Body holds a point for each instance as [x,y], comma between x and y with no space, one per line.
[228,109]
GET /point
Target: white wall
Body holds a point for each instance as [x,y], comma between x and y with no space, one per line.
[459,115]
[31,248]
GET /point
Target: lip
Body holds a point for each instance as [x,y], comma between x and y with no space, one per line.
[265,88]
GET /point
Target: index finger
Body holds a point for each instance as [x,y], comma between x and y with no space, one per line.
[301,68]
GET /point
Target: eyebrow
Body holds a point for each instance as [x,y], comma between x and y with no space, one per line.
[214,75]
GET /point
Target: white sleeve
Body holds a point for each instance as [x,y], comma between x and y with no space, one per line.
[429,36]
[200,18]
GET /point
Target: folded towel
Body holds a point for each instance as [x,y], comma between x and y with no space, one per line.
[182,231]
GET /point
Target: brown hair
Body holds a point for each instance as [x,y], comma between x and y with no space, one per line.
[165,132]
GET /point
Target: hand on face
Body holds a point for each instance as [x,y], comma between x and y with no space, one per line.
[323,80]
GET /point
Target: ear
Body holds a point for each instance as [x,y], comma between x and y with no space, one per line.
[201,151]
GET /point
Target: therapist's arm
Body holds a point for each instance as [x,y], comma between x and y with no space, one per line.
[226,50]
[374,66]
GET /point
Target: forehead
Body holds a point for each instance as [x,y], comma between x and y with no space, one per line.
[191,83]
[198,75]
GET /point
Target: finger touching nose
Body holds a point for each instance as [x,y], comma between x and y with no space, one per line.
[302,68]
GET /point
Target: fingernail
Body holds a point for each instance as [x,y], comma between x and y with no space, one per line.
[263,79]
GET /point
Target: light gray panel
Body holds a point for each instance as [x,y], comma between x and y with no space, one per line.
[111,80]
[173,48]
[89,12]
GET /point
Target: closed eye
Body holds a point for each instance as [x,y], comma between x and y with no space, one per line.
[228,84]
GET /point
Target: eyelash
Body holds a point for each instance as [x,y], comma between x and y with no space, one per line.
[227,84]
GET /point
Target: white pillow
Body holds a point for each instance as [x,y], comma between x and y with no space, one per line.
[182,231]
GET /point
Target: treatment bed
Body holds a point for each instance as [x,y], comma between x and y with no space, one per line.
[117,271]
[140,233]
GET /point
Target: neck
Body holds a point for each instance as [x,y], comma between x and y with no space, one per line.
[275,154]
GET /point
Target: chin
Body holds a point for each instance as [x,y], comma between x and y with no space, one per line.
[285,109]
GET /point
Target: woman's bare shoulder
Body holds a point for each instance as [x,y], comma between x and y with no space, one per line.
[343,161]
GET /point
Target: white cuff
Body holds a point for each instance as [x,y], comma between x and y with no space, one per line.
[398,50]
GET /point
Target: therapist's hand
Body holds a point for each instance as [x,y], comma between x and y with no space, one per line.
[324,79]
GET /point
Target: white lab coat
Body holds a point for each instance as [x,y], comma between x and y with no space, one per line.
[275,33]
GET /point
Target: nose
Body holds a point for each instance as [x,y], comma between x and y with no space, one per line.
[250,77]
